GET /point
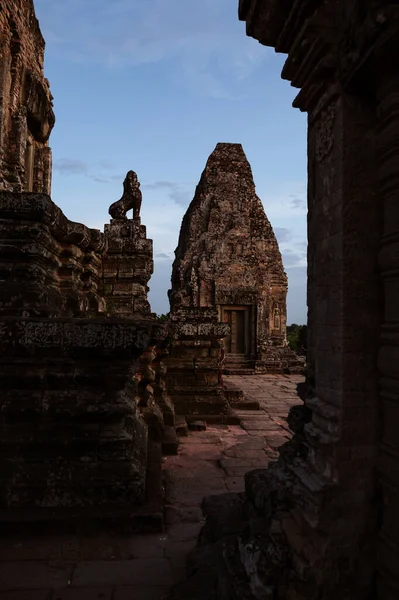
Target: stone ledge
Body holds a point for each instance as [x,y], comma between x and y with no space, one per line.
[202,330]
[74,334]
[40,208]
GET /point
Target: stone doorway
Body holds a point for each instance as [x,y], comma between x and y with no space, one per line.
[237,317]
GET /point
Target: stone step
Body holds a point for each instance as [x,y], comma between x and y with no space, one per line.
[181,425]
[197,425]
[200,406]
[224,419]
[233,393]
[246,405]
[238,371]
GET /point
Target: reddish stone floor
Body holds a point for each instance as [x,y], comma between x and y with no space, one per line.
[144,567]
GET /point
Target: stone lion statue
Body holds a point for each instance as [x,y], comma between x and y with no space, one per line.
[131,198]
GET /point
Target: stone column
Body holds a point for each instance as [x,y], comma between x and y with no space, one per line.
[47,169]
[388,171]
[127,267]
[335,490]
[160,390]
[5,89]
[194,363]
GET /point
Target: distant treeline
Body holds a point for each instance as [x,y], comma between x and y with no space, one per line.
[297,338]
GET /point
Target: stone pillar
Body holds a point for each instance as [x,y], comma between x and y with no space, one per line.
[344,226]
[5,88]
[311,520]
[195,361]
[127,268]
[388,171]
[161,391]
[146,378]
[47,170]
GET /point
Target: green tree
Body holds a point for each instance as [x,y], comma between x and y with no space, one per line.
[297,338]
[162,318]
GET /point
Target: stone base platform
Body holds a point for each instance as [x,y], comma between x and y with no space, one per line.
[236,397]
[148,517]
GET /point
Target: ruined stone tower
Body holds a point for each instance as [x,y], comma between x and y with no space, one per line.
[228,257]
[26,113]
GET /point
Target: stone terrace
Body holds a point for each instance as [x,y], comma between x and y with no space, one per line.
[145,567]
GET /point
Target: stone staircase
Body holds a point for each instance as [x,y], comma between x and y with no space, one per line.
[279,360]
[238,364]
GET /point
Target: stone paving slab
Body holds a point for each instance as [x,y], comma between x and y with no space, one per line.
[31,574]
[144,567]
[139,571]
[139,593]
[96,593]
[25,595]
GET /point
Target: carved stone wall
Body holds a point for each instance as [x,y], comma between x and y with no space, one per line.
[72,434]
[26,114]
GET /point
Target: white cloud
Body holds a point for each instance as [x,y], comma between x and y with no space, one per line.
[206,40]
[71,166]
[180,193]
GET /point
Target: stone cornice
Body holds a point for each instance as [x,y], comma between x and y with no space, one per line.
[40,208]
[65,336]
[373,44]
[324,42]
[265,20]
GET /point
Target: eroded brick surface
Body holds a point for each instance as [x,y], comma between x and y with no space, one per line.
[228,259]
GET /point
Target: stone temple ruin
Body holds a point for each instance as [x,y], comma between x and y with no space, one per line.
[228,259]
[92,387]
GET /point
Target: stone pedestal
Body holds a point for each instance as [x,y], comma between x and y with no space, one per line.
[195,361]
[127,268]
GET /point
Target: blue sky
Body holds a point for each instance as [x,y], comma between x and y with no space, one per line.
[153,85]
